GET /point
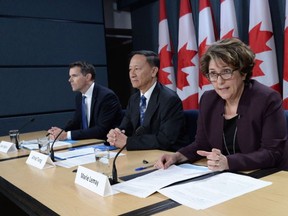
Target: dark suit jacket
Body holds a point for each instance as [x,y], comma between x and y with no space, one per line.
[106,113]
[261,128]
[164,122]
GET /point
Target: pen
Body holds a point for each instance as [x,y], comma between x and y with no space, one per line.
[144,167]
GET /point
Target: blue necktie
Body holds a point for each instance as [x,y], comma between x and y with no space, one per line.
[142,109]
[84,113]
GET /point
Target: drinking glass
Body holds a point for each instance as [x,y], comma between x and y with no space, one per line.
[44,145]
[102,157]
[14,137]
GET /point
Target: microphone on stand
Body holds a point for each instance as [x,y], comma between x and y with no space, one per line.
[52,145]
[114,180]
[15,135]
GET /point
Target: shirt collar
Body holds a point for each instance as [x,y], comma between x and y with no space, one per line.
[89,92]
[148,93]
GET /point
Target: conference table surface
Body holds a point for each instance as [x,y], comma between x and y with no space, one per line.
[56,189]
[22,152]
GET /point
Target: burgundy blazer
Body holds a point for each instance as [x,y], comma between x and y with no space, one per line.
[261,127]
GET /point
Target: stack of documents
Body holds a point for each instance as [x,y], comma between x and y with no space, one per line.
[33,144]
[148,184]
[80,155]
[198,193]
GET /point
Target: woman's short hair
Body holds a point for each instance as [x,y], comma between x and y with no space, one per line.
[231,51]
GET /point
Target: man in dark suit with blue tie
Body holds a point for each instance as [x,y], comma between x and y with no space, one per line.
[97,107]
[156,121]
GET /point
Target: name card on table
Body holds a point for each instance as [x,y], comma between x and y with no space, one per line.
[93,181]
[7,147]
[39,160]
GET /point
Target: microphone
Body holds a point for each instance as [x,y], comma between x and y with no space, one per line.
[28,122]
[21,128]
[52,145]
[139,131]
[114,179]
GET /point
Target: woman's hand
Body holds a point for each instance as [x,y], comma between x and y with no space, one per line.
[167,160]
[216,161]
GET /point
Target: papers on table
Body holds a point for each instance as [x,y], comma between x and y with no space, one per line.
[80,151]
[146,185]
[76,161]
[219,188]
[78,157]
[73,153]
[74,156]
[33,144]
[203,189]
[98,146]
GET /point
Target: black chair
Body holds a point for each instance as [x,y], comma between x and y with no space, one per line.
[191,123]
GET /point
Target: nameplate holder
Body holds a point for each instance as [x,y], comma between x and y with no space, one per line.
[39,160]
[7,147]
[93,181]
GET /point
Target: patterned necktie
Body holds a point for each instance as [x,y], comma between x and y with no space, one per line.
[142,109]
[84,113]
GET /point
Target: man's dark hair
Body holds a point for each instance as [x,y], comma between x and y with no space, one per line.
[86,68]
[152,57]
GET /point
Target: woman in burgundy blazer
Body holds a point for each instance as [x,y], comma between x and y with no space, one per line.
[241,123]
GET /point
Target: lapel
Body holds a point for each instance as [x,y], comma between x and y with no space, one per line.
[135,110]
[152,105]
[217,120]
[244,114]
[93,102]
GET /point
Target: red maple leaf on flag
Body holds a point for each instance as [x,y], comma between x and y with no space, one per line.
[165,61]
[258,40]
[184,60]
[202,49]
[257,70]
[228,34]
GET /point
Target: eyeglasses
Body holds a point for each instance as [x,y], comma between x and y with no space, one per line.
[225,74]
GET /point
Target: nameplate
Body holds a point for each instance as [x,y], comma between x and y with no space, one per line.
[39,160]
[7,147]
[93,181]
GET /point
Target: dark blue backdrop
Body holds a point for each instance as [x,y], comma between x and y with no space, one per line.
[38,40]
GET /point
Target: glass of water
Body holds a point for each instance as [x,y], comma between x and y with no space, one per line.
[44,145]
[14,137]
[102,157]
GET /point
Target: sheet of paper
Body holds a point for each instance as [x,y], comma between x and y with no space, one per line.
[33,144]
[219,188]
[146,185]
[99,146]
[73,153]
[80,160]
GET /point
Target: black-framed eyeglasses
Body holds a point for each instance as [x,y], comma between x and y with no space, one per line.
[225,74]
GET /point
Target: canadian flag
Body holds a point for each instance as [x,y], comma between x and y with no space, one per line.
[207,35]
[228,21]
[166,71]
[261,41]
[188,61]
[285,72]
